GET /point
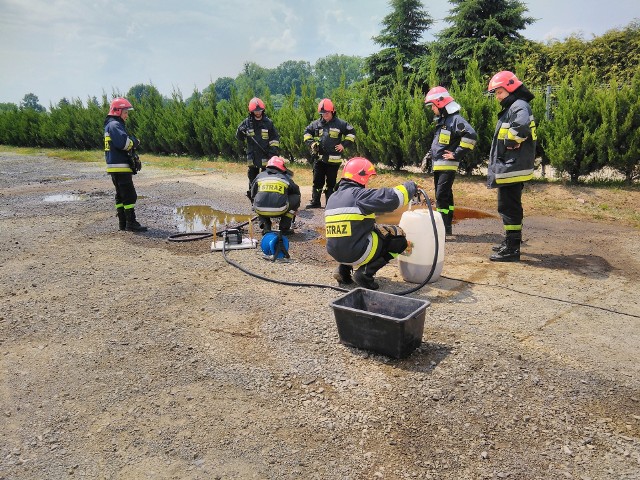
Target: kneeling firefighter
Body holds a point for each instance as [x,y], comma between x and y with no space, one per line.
[353,237]
[275,194]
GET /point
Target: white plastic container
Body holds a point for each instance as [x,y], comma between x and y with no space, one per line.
[415,262]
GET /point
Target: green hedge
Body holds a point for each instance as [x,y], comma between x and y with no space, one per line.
[582,126]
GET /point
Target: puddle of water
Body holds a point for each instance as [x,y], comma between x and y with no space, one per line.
[65,197]
[200,218]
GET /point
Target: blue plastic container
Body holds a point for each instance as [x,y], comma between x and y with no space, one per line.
[268,244]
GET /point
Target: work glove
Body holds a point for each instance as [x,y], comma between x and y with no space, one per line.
[315,148]
[427,162]
[412,188]
[135,163]
[136,142]
[389,230]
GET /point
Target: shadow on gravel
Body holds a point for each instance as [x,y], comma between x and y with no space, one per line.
[590,266]
[423,359]
[486,238]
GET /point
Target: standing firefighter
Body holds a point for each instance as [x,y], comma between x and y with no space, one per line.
[511,159]
[122,163]
[454,137]
[275,194]
[327,138]
[353,237]
[263,140]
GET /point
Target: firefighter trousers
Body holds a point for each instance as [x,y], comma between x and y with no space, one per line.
[510,206]
[126,195]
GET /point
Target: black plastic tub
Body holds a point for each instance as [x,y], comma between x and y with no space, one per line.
[381,322]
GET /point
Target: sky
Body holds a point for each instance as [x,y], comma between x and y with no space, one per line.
[77,49]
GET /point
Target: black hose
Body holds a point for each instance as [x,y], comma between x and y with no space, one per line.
[273,280]
[545,297]
[340,289]
[418,287]
[189,237]
[193,236]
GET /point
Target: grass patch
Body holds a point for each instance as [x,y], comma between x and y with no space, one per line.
[603,201]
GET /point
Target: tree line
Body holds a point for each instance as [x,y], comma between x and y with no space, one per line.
[589,119]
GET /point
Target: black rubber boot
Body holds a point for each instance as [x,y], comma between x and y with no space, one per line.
[265,225]
[327,194]
[447,228]
[448,221]
[286,224]
[315,199]
[511,251]
[364,276]
[499,246]
[122,219]
[343,274]
[132,223]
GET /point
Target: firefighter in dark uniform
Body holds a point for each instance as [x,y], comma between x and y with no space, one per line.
[263,140]
[353,237]
[327,138]
[275,195]
[453,138]
[122,163]
[511,159]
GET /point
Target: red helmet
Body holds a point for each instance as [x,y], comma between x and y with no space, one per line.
[359,169]
[504,79]
[118,105]
[438,96]
[256,105]
[277,162]
[326,106]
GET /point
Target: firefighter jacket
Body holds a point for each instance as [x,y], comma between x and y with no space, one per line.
[328,135]
[263,140]
[350,217]
[274,193]
[514,142]
[453,133]
[117,145]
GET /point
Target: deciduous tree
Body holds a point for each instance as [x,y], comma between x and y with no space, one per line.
[31,102]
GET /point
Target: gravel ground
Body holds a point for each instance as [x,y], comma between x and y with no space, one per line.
[125,356]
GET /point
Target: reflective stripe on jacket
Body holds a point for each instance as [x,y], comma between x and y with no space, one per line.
[350,216]
[513,149]
[328,135]
[274,193]
[455,134]
[117,145]
[265,135]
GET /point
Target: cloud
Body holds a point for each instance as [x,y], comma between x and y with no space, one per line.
[80,48]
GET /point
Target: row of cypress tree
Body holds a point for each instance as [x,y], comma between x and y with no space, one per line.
[583,125]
